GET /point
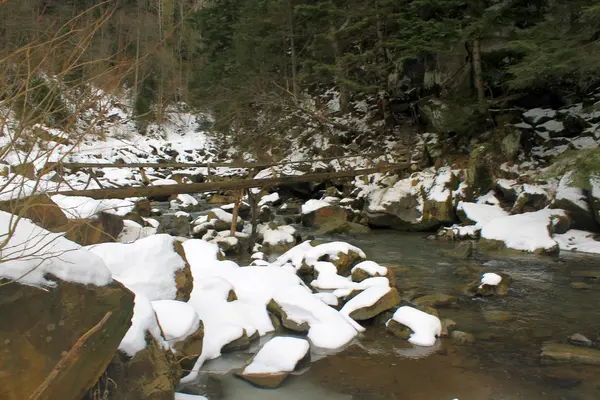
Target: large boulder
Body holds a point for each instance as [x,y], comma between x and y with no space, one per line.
[480,172]
[421,202]
[340,226]
[573,199]
[318,213]
[71,326]
[177,224]
[371,302]
[152,373]
[102,228]
[39,209]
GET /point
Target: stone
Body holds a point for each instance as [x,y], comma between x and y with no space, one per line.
[272,380]
[398,330]
[529,201]
[390,300]
[359,275]
[448,326]
[187,351]
[45,324]
[175,224]
[582,286]
[41,210]
[277,311]
[241,343]
[476,289]
[436,300]
[339,226]
[574,201]
[558,353]
[511,144]
[324,216]
[578,339]
[480,173]
[102,228]
[184,281]
[153,373]
[463,250]
[462,338]
[498,317]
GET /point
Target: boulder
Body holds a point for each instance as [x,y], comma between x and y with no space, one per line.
[398,330]
[324,215]
[462,338]
[241,343]
[578,339]
[558,353]
[448,326]
[152,373]
[478,289]
[340,226]
[41,210]
[573,199]
[370,269]
[177,224]
[386,302]
[531,198]
[480,172]
[103,228]
[275,361]
[498,317]
[511,144]
[277,311]
[184,281]
[462,251]
[436,300]
[79,326]
[419,203]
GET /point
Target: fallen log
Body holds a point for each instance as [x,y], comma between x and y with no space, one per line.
[168,190]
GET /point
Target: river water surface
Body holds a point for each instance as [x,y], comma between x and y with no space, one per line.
[503,362]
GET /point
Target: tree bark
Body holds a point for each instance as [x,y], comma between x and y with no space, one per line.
[340,75]
[478,76]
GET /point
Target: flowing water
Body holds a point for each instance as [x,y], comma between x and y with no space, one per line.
[503,362]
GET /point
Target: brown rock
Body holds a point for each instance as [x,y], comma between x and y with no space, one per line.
[188,350]
[388,301]
[184,280]
[324,216]
[46,324]
[277,311]
[41,210]
[557,353]
[436,300]
[103,228]
[153,373]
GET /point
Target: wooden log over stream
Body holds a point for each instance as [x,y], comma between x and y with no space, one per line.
[167,190]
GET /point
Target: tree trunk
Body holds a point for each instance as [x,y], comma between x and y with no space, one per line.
[478,76]
[293,50]
[339,70]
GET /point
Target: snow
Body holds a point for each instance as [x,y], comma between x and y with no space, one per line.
[183,396]
[576,240]
[552,126]
[146,266]
[491,279]
[85,207]
[439,191]
[537,114]
[371,268]
[329,329]
[366,298]
[533,189]
[280,354]
[224,216]
[177,319]
[32,252]
[187,200]
[330,250]
[481,214]
[281,235]
[313,205]
[268,199]
[525,232]
[489,198]
[425,327]
[162,182]
[570,193]
[144,320]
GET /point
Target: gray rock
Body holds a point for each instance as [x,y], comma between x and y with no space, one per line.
[462,338]
[578,339]
[558,353]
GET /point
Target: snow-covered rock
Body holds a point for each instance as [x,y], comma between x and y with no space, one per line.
[275,361]
[531,232]
[573,199]
[420,202]
[150,266]
[425,327]
[479,214]
[371,302]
